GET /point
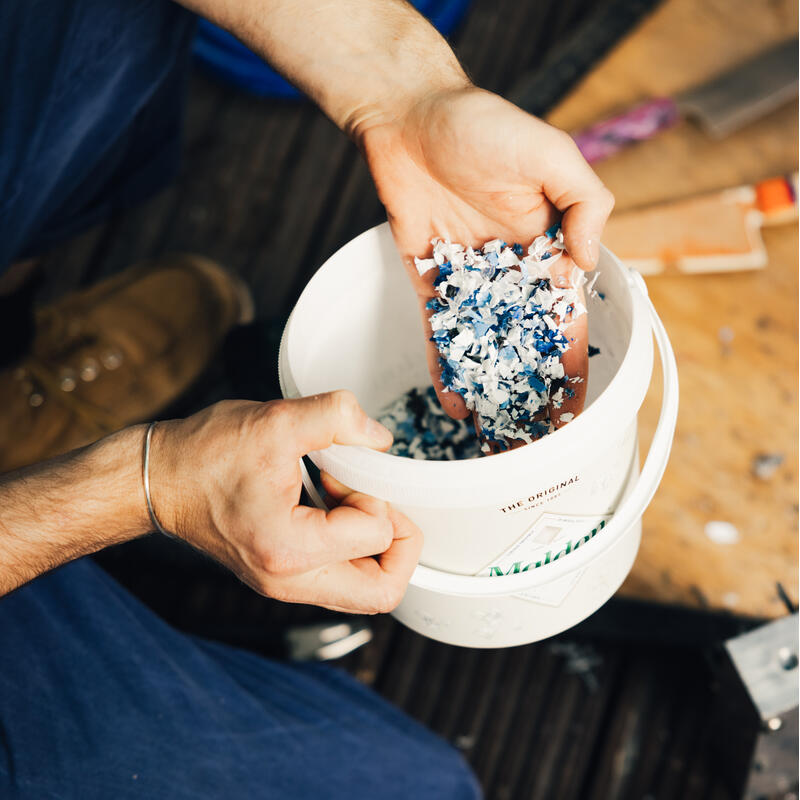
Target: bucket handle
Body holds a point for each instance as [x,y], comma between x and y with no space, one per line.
[629,511]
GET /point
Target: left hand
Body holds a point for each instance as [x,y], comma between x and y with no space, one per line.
[466,165]
[227,481]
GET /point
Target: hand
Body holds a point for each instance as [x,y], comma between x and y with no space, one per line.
[227,480]
[465,164]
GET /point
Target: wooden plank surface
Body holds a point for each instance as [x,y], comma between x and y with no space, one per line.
[734,335]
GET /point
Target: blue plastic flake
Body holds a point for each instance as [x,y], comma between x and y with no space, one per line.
[422,430]
[480,328]
[553,230]
[536,383]
[498,324]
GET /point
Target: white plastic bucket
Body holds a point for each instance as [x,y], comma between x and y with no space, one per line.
[519,545]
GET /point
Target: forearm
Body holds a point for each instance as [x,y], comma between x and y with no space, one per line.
[70,506]
[359,60]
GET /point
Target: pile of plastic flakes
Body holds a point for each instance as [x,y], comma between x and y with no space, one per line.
[422,430]
[498,324]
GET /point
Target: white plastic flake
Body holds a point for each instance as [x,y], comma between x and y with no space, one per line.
[498,324]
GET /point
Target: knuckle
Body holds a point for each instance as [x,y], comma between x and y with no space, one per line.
[277,413]
[607,199]
[224,406]
[376,508]
[279,562]
[563,139]
[389,598]
[276,590]
[386,534]
[344,402]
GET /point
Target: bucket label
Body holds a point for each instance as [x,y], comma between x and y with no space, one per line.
[549,538]
[538,498]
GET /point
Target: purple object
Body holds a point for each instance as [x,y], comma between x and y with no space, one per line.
[636,125]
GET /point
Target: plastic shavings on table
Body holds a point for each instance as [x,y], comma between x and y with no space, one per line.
[765,465]
[498,324]
[722,532]
[422,430]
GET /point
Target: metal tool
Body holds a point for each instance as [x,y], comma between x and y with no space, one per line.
[721,105]
[325,642]
[756,721]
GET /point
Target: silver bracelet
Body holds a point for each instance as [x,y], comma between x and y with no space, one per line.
[146,477]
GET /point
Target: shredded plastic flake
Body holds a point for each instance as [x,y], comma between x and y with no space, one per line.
[422,430]
[498,324]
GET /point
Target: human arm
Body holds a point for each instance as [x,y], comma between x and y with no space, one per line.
[70,506]
[227,481]
[448,158]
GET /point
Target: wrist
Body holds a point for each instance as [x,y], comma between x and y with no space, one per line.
[70,506]
[116,500]
[395,103]
[166,484]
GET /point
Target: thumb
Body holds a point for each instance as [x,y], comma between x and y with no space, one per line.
[585,203]
[335,418]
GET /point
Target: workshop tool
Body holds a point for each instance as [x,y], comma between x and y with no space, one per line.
[721,106]
[754,728]
[715,232]
[327,641]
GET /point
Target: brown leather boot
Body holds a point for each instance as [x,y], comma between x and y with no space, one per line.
[115,354]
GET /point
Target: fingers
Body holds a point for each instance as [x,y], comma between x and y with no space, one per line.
[399,561]
[336,490]
[333,418]
[451,402]
[359,526]
[574,189]
[583,224]
[366,585]
[575,361]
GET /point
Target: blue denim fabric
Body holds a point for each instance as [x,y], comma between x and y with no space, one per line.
[90,105]
[99,698]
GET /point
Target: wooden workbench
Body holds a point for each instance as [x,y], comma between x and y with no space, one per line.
[734,335]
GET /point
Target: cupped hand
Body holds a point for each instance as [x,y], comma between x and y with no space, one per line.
[227,480]
[468,166]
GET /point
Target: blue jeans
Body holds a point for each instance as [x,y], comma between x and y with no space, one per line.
[99,698]
[91,100]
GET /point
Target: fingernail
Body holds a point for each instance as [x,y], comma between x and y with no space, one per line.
[592,251]
[380,433]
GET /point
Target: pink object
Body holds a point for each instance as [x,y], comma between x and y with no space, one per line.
[636,125]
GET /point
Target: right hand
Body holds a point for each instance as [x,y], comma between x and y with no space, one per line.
[469,166]
[227,480]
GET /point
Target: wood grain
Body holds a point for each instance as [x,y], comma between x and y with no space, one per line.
[734,335]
